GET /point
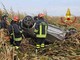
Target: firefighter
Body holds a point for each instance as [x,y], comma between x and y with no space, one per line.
[41,27]
[15,32]
[4,21]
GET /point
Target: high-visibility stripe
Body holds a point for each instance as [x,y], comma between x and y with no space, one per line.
[40,29]
[45,29]
[18,39]
[11,34]
[35,30]
[40,35]
[37,47]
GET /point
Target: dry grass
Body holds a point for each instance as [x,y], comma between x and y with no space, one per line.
[61,47]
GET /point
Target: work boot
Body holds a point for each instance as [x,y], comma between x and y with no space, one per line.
[42,45]
[37,46]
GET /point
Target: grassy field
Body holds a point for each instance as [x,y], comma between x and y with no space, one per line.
[59,50]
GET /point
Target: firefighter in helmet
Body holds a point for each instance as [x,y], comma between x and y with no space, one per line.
[15,32]
[41,27]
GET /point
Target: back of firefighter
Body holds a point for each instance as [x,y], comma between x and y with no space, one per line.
[15,32]
[41,27]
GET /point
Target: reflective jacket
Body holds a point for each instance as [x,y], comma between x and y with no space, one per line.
[15,31]
[41,29]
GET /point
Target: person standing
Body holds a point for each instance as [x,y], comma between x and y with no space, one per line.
[40,30]
[15,32]
[4,21]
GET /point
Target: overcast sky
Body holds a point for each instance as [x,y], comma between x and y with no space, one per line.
[53,7]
